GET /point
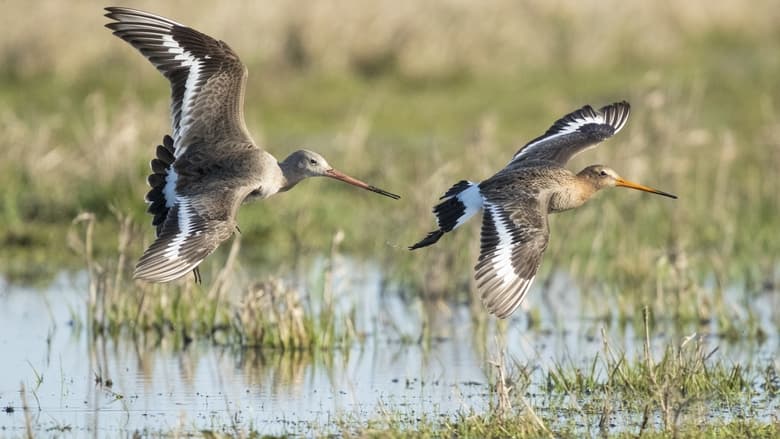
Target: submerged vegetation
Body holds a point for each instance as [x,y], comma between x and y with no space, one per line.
[435,93]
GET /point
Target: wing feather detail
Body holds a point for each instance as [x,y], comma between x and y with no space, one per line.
[576,132]
[511,251]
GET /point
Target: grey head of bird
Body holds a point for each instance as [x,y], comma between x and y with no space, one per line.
[304,163]
[600,177]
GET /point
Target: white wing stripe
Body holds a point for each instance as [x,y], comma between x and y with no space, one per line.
[569,128]
[614,116]
[169,190]
[472,200]
[193,77]
[185,225]
[502,255]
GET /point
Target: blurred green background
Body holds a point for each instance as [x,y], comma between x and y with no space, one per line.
[412,97]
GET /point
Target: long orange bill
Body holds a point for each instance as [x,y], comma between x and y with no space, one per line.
[632,185]
[332,173]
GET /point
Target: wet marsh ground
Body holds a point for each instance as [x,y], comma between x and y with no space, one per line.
[649,317]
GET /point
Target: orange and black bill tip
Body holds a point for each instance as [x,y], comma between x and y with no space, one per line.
[637,186]
[332,173]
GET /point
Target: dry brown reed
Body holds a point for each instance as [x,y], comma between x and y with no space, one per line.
[418,39]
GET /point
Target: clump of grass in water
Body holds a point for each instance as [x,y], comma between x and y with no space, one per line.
[682,382]
[679,395]
[267,313]
[271,314]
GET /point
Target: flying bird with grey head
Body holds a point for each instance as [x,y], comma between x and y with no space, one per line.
[516,201]
[210,165]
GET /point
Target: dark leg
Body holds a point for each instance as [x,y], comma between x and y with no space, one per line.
[196,272]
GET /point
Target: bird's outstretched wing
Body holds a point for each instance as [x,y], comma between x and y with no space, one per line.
[207,78]
[194,227]
[574,133]
[512,244]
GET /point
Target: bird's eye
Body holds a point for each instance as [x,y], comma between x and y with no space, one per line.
[603,173]
[312,161]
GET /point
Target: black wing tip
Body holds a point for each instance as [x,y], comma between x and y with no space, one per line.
[623,104]
[621,107]
[430,239]
[456,189]
[616,114]
[449,212]
[112,12]
[123,16]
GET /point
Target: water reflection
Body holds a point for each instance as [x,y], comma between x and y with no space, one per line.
[417,358]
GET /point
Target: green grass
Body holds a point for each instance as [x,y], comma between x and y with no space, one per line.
[685,392]
[414,106]
[522,427]
[703,127]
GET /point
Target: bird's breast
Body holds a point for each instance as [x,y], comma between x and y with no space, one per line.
[569,196]
[261,192]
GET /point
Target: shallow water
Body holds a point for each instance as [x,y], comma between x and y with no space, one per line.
[208,387]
